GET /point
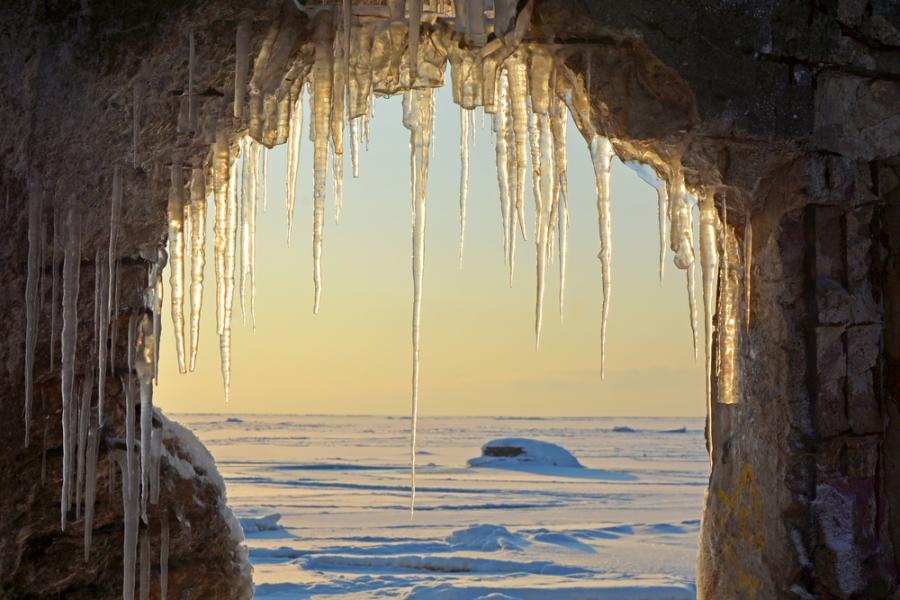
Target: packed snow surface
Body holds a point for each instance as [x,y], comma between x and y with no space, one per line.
[324,505]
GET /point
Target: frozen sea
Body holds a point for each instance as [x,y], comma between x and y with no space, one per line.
[624,527]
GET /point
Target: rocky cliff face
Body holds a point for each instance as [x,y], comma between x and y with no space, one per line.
[789,111]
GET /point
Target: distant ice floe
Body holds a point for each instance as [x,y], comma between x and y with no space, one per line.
[265,523]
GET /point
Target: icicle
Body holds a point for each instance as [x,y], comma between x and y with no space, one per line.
[110,280]
[296,133]
[176,261]
[418,106]
[229,265]
[601,154]
[155,453]
[692,304]
[354,144]
[518,95]
[501,132]
[265,174]
[748,267]
[32,306]
[414,7]
[56,258]
[114,334]
[250,185]
[164,556]
[137,104]
[338,96]
[544,165]
[709,263]
[145,347]
[648,175]
[534,146]
[560,207]
[463,176]
[90,487]
[198,256]
[220,183]
[241,66]
[71,275]
[87,386]
[322,70]
[145,565]
[681,220]
[192,61]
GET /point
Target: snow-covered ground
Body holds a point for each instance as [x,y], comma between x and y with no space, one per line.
[325,506]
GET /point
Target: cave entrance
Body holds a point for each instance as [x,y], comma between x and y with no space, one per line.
[338,475]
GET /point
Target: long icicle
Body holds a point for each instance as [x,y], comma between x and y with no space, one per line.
[294,138]
[198,256]
[176,258]
[90,489]
[69,338]
[709,263]
[463,175]
[229,265]
[601,155]
[32,306]
[354,144]
[518,97]
[56,258]
[321,128]
[501,127]
[145,351]
[559,210]
[220,183]
[418,107]
[84,410]
[545,224]
[254,153]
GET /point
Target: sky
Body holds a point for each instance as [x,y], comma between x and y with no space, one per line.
[478,354]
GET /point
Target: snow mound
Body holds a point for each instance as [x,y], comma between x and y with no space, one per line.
[266,523]
[486,538]
[524,452]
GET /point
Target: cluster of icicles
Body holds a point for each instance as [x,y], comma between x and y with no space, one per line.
[529,93]
[83,418]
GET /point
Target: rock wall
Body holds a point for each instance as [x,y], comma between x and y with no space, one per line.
[788,110]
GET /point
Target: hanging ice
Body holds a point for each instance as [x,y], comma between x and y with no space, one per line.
[250,187]
[198,256]
[649,176]
[339,94]
[71,275]
[176,261]
[229,266]
[56,258]
[601,155]
[220,172]
[32,307]
[501,133]
[145,348]
[559,210]
[296,133]
[322,71]
[518,97]
[84,410]
[463,174]
[748,267]
[354,144]
[418,106]
[90,489]
[709,263]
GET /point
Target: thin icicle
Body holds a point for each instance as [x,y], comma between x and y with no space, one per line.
[90,484]
[155,454]
[518,97]
[220,172]
[463,175]
[164,556]
[114,333]
[265,174]
[241,66]
[355,124]
[748,267]
[322,70]
[709,263]
[145,565]
[418,106]
[145,348]
[198,256]
[544,166]
[250,186]
[56,259]
[136,110]
[229,266]
[176,261]
[559,209]
[69,338]
[84,417]
[601,155]
[130,485]
[501,132]
[32,306]
[649,176]
[294,137]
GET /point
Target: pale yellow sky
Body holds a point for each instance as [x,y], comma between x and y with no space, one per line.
[478,354]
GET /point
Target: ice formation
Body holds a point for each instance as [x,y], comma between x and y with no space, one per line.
[529,92]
